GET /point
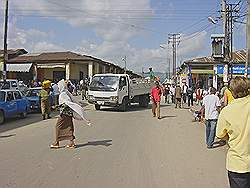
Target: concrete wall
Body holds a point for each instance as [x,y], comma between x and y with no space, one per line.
[47,73]
[75,70]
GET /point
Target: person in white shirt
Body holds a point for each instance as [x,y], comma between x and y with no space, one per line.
[211,105]
[56,94]
[184,94]
[172,92]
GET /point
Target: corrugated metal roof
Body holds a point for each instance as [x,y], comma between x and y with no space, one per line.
[238,57]
[19,67]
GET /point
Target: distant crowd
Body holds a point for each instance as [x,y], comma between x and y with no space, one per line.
[227,116]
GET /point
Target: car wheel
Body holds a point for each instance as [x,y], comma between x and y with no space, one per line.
[2,118]
[97,107]
[24,114]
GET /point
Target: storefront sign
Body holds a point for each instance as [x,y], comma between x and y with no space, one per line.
[237,69]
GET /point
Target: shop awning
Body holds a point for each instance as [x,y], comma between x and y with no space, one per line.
[25,67]
[201,71]
[51,66]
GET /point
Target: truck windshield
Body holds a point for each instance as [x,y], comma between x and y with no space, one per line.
[104,83]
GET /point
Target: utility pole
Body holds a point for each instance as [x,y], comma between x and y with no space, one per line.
[5,53]
[226,41]
[169,73]
[175,40]
[248,39]
[228,11]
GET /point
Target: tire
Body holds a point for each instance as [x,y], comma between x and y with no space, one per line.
[146,101]
[24,114]
[124,105]
[97,107]
[143,101]
[2,118]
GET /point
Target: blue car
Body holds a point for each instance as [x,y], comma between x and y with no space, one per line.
[12,104]
[33,98]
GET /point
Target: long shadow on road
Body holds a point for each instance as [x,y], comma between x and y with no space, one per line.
[96,143]
[7,136]
[16,122]
[131,108]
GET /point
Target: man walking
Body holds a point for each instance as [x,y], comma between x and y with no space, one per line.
[56,94]
[184,92]
[84,89]
[199,95]
[190,93]
[178,95]
[167,93]
[234,126]
[172,92]
[156,93]
[211,105]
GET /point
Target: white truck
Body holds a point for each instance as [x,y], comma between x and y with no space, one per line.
[118,90]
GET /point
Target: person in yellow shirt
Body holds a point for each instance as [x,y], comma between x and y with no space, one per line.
[44,97]
[228,97]
[234,126]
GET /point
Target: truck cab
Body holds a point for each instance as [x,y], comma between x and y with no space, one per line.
[117,90]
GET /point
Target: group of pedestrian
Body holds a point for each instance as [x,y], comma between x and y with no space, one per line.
[176,94]
[228,118]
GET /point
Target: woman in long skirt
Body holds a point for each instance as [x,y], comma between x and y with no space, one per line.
[69,109]
[64,127]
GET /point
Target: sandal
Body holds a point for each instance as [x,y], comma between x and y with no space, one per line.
[71,146]
[52,146]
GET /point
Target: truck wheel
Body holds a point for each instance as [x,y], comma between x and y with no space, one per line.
[143,101]
[2,118]
[124,104]
[146,101]
[97,107]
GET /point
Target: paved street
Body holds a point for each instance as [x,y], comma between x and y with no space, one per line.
[121,149]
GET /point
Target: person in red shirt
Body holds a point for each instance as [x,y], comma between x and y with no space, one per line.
[156,93]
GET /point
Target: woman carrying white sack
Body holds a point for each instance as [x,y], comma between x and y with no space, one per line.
[69,109]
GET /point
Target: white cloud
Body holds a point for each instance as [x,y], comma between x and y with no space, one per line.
[46,47]
[108,18]
[138,58]
[193,44]
[32,40]
[111,20]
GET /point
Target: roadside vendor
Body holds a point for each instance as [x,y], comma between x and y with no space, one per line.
[44,96]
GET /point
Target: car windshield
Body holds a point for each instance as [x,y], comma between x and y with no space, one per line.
[33,92]
[104,83]
[2,96]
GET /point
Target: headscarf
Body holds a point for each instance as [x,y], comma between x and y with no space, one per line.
[67,98]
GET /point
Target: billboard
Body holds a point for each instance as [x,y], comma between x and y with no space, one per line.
[237,69]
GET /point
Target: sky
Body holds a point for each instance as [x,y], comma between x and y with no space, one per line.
[113,29]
